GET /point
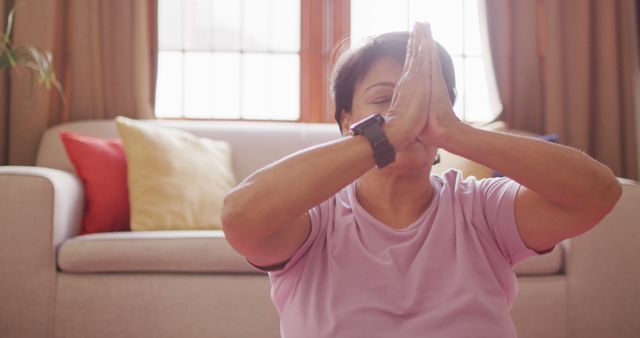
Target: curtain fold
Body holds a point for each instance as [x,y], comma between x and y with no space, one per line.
[492,87]
[570,67]
[5,7]
[105,55]
[112,56]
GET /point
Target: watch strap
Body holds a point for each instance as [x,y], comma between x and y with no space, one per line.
[371,128]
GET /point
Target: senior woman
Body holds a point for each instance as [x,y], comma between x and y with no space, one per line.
[361,241]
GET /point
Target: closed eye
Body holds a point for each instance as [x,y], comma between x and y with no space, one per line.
[381,100]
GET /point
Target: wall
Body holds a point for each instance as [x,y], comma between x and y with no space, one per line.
[33,25]
[4,93]
[638,116]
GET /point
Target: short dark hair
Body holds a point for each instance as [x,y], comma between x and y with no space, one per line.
[353,65]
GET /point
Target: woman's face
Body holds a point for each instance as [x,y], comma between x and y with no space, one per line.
[373,95]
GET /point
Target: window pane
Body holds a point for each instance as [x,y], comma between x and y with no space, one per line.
[227,20]
[459,104]
[226,85]
[169,88]
[271,86]
[284,85]
[284,25]
[229,59]
[445,18]
[255,25]
[477,96]
[372,17]
[255,86]
[471,28]
[198,85]
[170,31]
[197,24]
[455,24]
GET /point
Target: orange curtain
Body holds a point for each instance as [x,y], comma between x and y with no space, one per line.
[5,7]
[105,55]
[570,67]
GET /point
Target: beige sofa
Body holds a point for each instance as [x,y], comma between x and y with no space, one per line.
[54,283]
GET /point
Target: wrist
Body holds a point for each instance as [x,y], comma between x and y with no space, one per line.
[452,135]
[372,128]
[396,136]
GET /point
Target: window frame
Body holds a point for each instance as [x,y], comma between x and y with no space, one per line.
[324,25]
[320,34]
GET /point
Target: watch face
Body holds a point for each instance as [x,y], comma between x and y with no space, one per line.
[357,128]
[371,128]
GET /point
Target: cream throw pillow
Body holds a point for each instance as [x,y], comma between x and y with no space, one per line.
[177,181]
[467,167]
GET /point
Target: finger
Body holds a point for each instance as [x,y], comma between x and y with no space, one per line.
[412,39]
[424,54]
[410,50]
[414,51]
[423,57]
[419,36]
[428,41]
[429,71]
[436,66]
[427,31]
[424,71]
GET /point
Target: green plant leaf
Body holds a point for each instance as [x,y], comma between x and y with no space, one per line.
[4,61]
[7,34]
[3,45]
[10,57]
[6,37]
[39,62]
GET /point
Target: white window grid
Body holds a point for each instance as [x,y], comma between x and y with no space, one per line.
[250,71]
[455,24]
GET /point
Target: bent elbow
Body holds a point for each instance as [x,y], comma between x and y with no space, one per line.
[608,198]
[232,224]
[240,223]
[614,194]
[229,215]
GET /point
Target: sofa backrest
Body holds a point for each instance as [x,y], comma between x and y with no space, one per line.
[253,144]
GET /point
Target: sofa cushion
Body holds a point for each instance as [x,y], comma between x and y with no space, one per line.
[177,181]
[102,166]
[151,251]
[200,251]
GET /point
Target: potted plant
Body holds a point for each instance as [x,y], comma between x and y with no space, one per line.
[38,62]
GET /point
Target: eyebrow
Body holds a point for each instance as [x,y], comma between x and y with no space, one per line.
[382,83]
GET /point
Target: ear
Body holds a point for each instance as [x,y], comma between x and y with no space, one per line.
[345,122]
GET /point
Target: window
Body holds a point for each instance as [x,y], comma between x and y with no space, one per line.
[269,59]
[229,59]
[454,24]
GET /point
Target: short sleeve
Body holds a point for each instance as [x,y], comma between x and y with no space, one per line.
[319,216]
[498,204]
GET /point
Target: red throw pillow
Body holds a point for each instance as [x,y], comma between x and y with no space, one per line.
[102,167]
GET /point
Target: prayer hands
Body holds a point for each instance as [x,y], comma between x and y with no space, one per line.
[421,109]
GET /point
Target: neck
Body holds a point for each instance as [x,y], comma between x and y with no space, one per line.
[396,200]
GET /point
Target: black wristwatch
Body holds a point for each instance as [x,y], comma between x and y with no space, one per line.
[371,128]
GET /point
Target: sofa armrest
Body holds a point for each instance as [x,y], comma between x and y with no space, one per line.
[603,273]
[31,191]
[39,209]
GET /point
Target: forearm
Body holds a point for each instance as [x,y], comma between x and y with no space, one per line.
[563,175]
[276,195]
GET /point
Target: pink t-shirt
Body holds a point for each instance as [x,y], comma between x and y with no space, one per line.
[448,274]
